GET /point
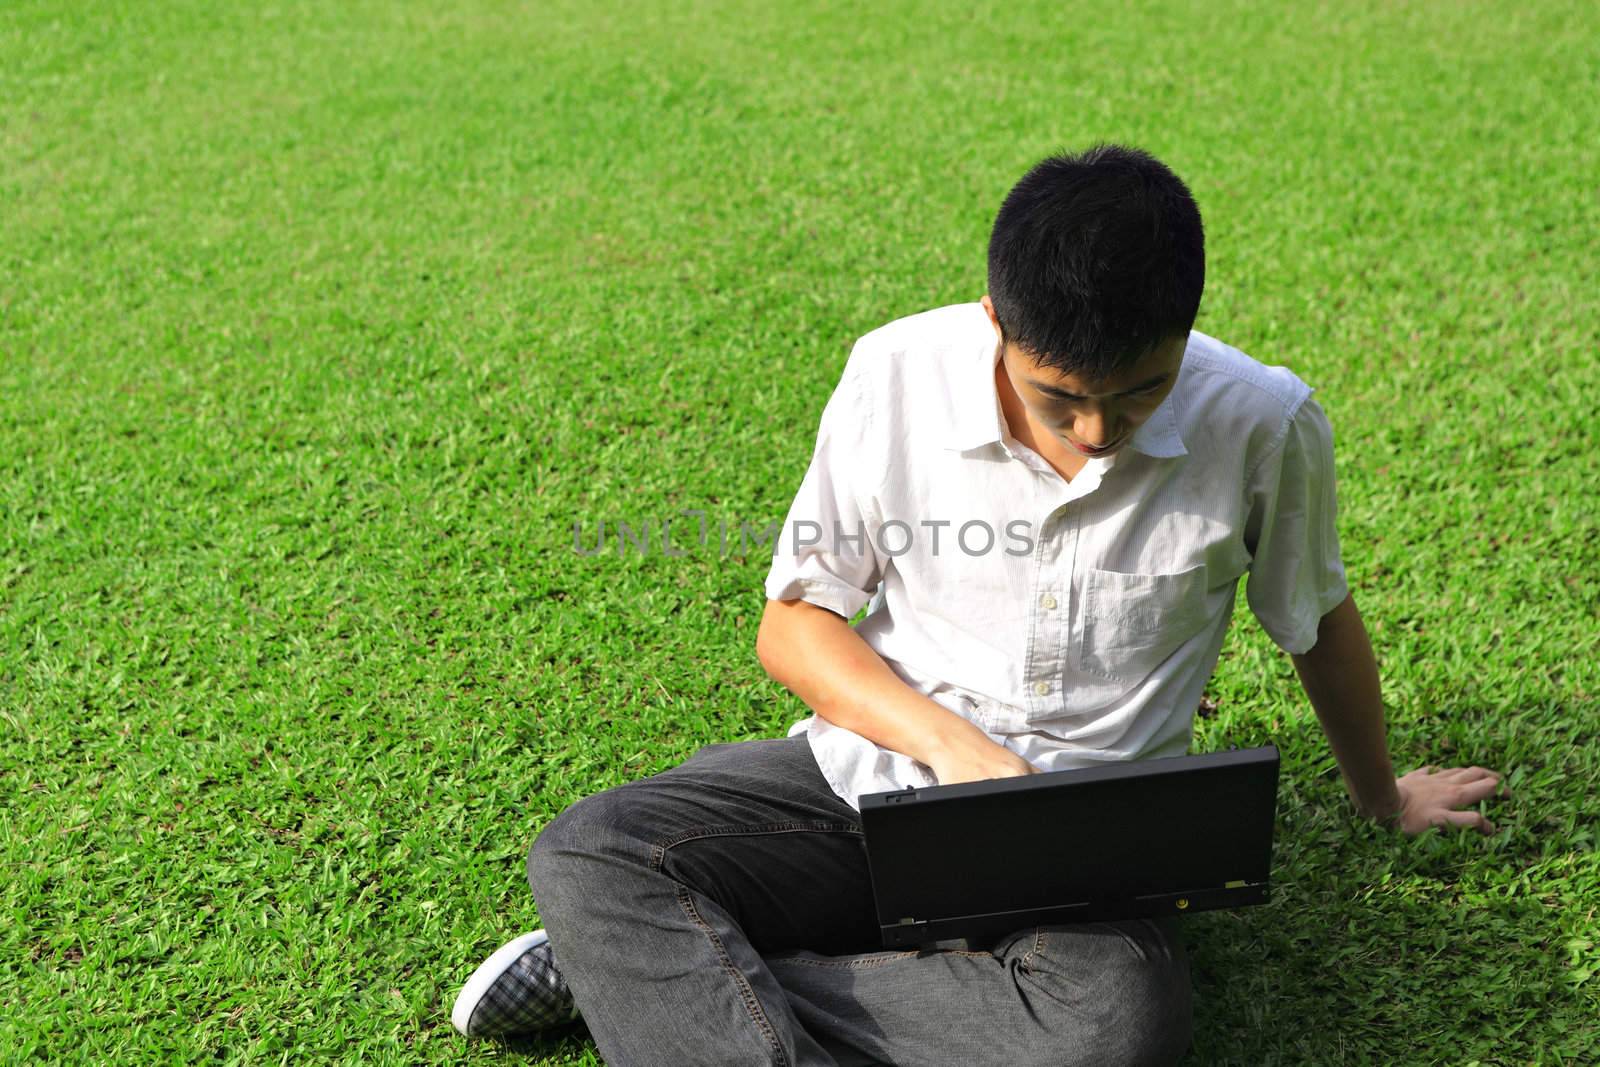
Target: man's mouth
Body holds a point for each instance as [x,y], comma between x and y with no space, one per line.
[1086,450]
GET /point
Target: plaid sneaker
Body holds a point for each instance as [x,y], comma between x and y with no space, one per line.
[517,990]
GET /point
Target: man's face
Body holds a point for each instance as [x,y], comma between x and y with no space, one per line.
[1091,418]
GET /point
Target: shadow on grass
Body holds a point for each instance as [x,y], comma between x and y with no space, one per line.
[567,1044]
[1414,971]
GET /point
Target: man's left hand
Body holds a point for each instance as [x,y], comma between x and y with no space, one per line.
[1428,797]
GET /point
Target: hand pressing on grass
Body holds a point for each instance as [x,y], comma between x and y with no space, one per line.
[1429,797]
[1340,676]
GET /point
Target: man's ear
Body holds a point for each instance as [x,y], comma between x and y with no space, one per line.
[988,307]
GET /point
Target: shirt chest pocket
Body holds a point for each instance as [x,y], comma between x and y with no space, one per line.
[1133,622]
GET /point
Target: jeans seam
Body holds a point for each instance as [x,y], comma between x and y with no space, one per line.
[1039,977]
[658,853]
[856,962]
[746,994]
[1036,950]
[661,847]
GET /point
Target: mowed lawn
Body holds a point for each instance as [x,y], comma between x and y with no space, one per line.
[322,325]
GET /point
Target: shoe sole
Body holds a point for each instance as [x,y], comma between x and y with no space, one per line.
[489,972]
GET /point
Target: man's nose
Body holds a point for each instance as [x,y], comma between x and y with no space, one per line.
[1095,427]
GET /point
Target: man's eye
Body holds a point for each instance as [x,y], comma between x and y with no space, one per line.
[1071,398]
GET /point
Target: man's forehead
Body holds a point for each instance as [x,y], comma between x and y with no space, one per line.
[1159,362]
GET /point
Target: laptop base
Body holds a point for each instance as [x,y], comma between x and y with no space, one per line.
[985,930]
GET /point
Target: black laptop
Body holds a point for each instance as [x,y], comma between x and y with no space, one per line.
[975,861]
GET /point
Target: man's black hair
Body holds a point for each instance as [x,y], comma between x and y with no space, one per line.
[1096,258]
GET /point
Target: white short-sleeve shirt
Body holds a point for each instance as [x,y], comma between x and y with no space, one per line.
[1074,622]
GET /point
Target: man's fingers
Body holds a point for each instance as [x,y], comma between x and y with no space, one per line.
[1462,820]
[1476,790]
[1464,776]
[1491,782]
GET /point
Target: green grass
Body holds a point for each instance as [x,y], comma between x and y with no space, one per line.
[321,324]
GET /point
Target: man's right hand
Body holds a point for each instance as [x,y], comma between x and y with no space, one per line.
[817,655]
[972,759]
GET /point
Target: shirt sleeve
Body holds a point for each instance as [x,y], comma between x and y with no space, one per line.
[1296,574]
[825,551]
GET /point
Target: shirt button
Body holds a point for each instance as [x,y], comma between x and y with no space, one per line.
[1041,688]
[1048,601]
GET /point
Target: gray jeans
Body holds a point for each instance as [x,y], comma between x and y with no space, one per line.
[721,912]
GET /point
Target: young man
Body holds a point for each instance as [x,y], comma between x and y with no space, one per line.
[1048,496]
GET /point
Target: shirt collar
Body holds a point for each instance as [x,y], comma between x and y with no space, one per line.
[978,416]
[975,402]
[1159,436]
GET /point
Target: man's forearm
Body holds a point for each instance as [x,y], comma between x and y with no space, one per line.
[1340,677]
[820,658]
